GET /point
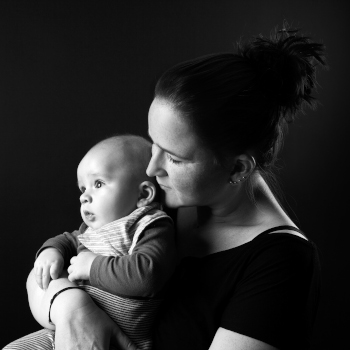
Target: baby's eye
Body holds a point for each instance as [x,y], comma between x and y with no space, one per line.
[98,183]
[82,189]
[172,160]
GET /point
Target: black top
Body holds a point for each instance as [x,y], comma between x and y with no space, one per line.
[267,289]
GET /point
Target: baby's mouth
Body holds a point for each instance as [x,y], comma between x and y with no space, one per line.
[88,215]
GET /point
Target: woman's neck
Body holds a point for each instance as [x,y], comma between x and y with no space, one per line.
[242,208]
[236,205]
[234,222]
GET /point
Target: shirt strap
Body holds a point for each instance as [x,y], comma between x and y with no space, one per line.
[282,227]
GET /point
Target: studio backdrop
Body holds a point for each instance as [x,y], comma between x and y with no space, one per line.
[72,73]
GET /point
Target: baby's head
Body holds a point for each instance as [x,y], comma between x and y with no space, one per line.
[113,181]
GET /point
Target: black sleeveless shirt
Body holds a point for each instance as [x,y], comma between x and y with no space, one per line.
[267,289]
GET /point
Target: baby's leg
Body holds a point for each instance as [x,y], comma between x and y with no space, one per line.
[41,340]
[39,303]
[39,300]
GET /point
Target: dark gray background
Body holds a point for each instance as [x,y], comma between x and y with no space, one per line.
[74,72]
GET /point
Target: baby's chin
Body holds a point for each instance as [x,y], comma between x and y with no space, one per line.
[92,220]
[93,225]
[96,224]
[96,221]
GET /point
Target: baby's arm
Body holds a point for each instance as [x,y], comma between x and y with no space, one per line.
[145,271]
[53,256]
[51,259]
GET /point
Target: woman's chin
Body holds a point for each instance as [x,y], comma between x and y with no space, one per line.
[171,202]
[174,203]
[171,205]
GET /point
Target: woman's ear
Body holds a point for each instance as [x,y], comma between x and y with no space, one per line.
[147,193]
[244,165]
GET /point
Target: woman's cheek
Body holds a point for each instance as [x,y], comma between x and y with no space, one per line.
[183,181]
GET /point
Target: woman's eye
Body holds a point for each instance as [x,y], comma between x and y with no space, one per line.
[172,160]
[98,184]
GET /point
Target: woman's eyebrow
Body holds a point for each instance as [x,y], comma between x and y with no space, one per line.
[167,151]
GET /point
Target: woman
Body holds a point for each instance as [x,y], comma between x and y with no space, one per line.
[248,277]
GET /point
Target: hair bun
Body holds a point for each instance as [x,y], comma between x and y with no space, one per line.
[286,69]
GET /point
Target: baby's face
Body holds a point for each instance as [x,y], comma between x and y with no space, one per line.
[109,190]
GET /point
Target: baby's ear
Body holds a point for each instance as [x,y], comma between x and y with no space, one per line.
[147,193]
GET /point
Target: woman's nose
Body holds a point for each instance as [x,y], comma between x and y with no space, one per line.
[155,166]
[85,198]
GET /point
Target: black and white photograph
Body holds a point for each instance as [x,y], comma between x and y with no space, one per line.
[174,174]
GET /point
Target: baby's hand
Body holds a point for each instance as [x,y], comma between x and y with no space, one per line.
[48,264]
[80,266]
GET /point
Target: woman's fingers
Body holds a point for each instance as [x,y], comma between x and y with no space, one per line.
[120,340]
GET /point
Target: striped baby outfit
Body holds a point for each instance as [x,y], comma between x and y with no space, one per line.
[134,315]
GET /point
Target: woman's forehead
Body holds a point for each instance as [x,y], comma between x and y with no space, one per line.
[170,131]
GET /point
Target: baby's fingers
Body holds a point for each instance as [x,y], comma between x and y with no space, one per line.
[42,276]
[71,274]
[56,269]
[38,276]
[46,277]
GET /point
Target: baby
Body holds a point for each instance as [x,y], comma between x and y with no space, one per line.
[124,252]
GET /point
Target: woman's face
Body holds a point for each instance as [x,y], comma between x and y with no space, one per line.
[184,169]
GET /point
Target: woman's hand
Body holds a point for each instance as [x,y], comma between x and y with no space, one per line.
[78,322]
[85,326]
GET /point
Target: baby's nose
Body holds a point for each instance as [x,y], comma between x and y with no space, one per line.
[85,198]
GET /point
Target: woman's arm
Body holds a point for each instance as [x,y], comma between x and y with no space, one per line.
[79,323]
[228,340]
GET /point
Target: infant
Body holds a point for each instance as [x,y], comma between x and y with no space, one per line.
[124,252]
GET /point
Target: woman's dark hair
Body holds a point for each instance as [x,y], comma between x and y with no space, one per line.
[242,101]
